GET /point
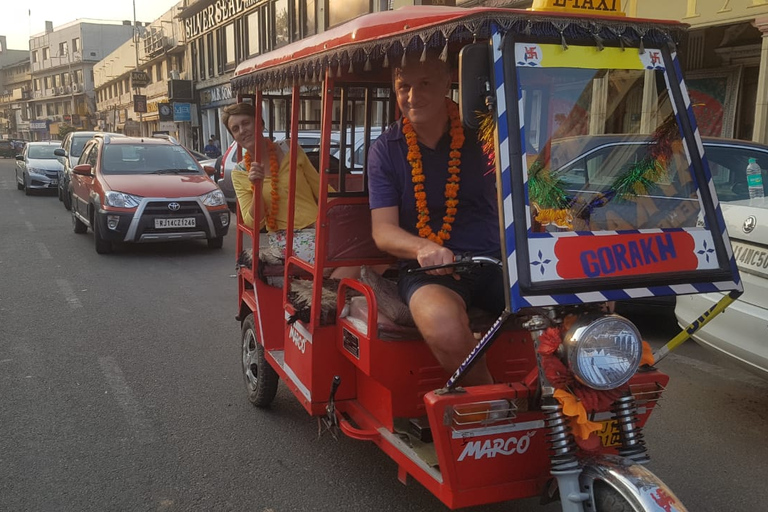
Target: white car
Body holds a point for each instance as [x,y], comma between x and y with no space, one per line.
[37,167]
[741,332]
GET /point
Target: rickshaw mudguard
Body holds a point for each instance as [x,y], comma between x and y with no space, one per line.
[643,490]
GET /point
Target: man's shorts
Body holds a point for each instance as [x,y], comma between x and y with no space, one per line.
[480,286]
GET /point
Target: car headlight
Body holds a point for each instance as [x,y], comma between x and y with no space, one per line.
[214,198]
[33,170]
[121,199]
[603,352]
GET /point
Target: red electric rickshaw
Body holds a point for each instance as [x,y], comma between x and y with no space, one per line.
[579,229]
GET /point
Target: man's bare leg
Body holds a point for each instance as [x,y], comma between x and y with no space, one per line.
[441,316]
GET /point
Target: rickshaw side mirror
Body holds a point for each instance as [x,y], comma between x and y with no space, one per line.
[59,152]
[474,82]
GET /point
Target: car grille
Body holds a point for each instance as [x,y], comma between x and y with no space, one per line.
[159,209]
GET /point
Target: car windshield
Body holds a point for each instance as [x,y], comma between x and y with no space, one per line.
[602,145]
[43,152]
[147,159]
[78,143]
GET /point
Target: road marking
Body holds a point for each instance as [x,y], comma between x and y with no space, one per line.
[69,294]
[44,252]
[718,371]
[138,422]
[30,226]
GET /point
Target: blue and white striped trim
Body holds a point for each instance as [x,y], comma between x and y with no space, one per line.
[721,227]
[503,166]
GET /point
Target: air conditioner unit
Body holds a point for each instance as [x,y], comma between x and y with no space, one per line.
[76,87]
[60,90]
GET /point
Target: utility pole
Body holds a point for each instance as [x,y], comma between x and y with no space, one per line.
[136,47]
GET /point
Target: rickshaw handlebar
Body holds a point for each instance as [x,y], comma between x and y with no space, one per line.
[460,262]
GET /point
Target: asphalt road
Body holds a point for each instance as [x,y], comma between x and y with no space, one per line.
[120,389]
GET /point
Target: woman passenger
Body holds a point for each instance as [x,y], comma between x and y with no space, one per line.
[273,171]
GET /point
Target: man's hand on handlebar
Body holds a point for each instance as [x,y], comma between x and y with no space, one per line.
[454,264]
[434,255]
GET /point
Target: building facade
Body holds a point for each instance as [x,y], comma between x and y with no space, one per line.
[726,61]
[156,70]
[62,61]
[220,35]
[14,84]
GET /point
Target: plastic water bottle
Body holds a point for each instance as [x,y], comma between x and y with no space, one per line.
[754,179]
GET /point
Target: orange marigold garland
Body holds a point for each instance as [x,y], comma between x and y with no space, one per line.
[274,170]
[451,185]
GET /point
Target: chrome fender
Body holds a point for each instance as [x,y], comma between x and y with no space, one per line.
[641,488]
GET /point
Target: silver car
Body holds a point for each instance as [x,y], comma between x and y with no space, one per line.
[38,168]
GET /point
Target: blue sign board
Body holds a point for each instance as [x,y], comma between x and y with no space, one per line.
[182,112]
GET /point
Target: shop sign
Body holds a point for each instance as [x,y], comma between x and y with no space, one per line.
[139,79]
[167,126]
[219,12]
[182,112]
[139,103]
[216,94]
[38,125]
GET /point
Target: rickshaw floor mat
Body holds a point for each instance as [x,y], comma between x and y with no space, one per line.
[425,451]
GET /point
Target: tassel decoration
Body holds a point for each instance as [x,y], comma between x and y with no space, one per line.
[385,64]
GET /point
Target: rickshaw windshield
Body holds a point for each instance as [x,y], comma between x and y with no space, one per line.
[603,147]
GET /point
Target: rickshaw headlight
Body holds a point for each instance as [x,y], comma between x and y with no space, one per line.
[603,352]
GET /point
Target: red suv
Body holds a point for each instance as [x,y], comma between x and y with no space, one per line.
[130,189]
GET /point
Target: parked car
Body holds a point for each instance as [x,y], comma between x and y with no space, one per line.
[6,149]
[37,167]
[129,189]
[72,148]
[739,333]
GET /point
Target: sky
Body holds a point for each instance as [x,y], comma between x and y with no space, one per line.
[17,24]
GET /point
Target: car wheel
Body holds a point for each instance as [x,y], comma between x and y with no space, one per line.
[67,200]
[102,246]
[216,243]
[58,193]
[260,378]
[27,190]
[77,225]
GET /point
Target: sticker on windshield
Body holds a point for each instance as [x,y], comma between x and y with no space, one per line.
[586,57]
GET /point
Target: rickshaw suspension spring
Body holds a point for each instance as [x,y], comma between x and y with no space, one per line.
[630,434]
[561,443]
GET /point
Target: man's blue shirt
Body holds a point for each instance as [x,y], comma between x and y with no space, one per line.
[476,228]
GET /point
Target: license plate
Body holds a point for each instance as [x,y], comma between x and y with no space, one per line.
[751,258]
[187,222]
[609,434]
[54,183]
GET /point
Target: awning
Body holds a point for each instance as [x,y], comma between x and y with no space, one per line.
[373,40]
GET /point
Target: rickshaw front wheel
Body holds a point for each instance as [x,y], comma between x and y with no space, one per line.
[608,499]
[260,378]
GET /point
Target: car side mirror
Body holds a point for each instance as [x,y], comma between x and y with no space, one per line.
[474,82]
[210,171]
[59,152]
[20,157]
[83,170]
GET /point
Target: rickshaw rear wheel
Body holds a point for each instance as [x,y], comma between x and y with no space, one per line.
[608,499]
[260,378]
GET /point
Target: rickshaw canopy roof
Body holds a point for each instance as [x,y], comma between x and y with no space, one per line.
[378,38]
